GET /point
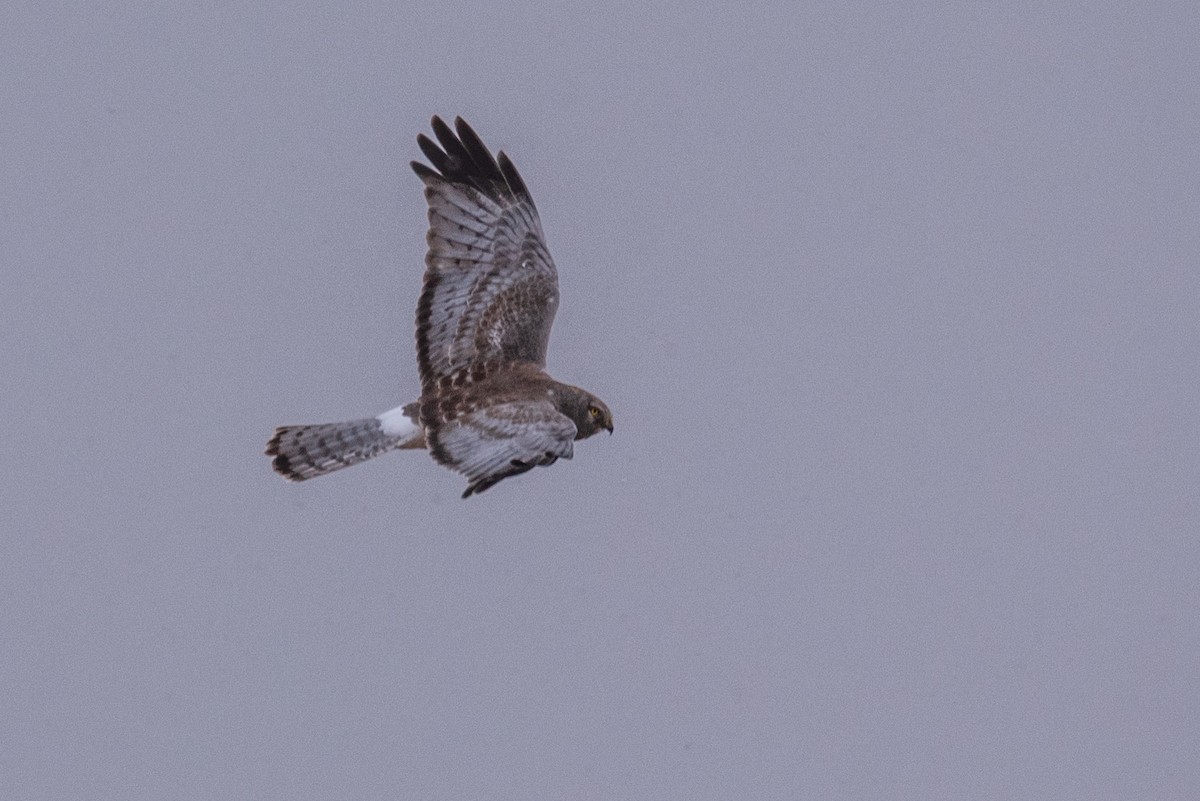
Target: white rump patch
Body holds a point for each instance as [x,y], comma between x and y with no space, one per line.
[395,423]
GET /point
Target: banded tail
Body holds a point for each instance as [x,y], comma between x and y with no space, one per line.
[303,452]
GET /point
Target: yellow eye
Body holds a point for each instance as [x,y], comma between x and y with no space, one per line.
[593,411]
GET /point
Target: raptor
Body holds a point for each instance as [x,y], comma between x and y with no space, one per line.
[487,409]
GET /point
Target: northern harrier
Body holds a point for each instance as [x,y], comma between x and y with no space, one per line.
[487,408]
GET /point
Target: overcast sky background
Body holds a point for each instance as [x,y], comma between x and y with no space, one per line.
[897,307]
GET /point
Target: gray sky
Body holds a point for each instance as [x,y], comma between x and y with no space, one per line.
[897,309]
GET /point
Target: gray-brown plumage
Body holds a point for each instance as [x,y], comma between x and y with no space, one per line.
[487,408]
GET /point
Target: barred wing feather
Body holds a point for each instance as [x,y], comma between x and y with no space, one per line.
[491,289]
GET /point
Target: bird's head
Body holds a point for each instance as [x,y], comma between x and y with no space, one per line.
[588,412]
[598,416]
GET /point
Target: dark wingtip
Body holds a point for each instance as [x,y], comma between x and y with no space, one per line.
[464,130]
[460,156]
[422,170]
[440,127]
[513,178]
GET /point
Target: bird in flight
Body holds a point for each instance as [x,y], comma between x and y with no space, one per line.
[488,409]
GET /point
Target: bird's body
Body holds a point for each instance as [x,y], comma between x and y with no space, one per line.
[487,407]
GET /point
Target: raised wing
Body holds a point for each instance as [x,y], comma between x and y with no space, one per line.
[492,443]
[491,289]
